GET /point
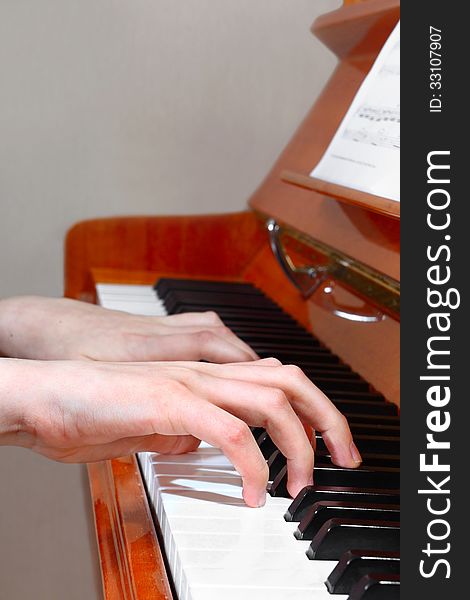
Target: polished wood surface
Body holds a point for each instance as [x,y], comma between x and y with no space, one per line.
[131,560]
[369,202]
[235,247]
[164,244]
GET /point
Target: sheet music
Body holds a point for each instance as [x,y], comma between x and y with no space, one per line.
[364,154]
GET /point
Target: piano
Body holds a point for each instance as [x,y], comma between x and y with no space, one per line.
[309,273]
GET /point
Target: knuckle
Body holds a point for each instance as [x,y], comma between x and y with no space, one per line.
[213,317]
[177,388]
[340,422]
[238,434]
[293,373]
[263,470]
[172,381]
[204,338]
[278,400]
[273,361]
[343,421]
[223,330]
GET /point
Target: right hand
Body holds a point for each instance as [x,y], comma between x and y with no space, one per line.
[82,411]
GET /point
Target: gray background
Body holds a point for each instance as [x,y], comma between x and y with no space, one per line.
[126,107]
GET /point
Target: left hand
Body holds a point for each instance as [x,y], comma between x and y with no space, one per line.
[58,329]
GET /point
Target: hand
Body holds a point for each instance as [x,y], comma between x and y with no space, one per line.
[57,329]
[81,411]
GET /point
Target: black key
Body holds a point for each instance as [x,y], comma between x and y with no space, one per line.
[371,444]
[334,386]
[321,512]
[363,476]
[237,319]
[266,445]
[358,396]
[278,487]
[213,300]
[318,364]
[319,360]
[371,418]
[271,319]
[313,493]
[166,284]
[332,476]
[338,535]
[176,305]
[376,586]
[381,460]
[313,370]
[315,356]
[282,339]
[286,345]
[276,462]
[348,407]
[354,564]
[374,429]
[304,357]
[297,335]
[257,431]
[378,444]
[368,460]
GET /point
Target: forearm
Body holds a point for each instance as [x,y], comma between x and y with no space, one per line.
[26,322]
[16,319]
[15,388]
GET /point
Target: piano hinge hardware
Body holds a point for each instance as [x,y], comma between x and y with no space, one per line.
[310,279]
[306,279]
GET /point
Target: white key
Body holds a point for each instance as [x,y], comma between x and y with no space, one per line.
[125,289]
[135,299]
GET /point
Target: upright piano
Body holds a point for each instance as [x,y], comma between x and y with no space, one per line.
[309,273]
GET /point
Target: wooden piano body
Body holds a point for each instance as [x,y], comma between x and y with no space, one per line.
[314,217]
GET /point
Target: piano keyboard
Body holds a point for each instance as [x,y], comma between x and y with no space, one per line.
[338,538]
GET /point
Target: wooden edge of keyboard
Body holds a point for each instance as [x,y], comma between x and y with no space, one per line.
[132,564]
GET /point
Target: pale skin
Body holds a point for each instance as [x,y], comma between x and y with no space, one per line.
[85,386]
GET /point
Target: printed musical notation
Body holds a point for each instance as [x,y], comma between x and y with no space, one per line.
[379,113]
[379,131]
[374,138]
[365,152]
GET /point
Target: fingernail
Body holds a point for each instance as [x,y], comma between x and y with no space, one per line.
[262,500]
[355,453]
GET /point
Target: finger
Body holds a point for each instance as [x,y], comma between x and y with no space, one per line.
[225,431]
[260,362]
[230,335]
[312,406]
[205,319]
[266,407]
[203,345]
[223,332]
